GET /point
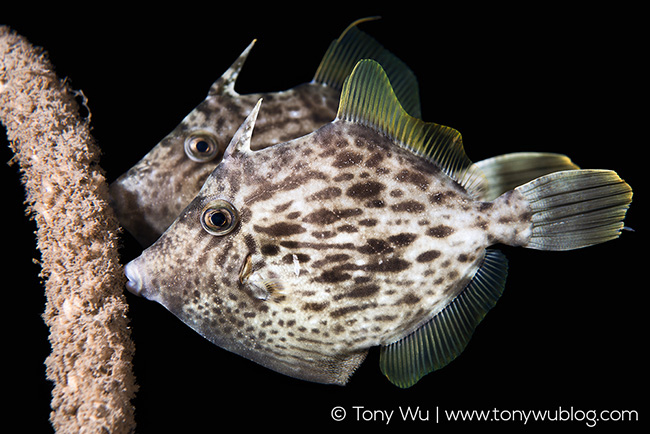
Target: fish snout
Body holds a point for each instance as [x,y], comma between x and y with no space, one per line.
[134,283]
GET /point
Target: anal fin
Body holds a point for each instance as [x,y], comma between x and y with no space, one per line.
[441,340]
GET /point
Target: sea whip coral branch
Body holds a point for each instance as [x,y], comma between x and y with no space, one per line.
[67,195]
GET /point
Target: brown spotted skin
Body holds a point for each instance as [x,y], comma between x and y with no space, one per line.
[354,241]
[149,197]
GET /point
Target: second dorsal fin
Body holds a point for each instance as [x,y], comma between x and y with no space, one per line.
[368,98]
[354,45]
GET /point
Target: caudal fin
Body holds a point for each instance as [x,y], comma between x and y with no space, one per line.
[576,208]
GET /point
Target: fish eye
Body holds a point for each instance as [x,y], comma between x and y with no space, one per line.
[201,147]
[219,218]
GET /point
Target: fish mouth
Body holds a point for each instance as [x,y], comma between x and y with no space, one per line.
[134,283]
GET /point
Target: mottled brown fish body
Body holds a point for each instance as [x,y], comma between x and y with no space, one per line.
[372,230]
[368,244]
[150,196]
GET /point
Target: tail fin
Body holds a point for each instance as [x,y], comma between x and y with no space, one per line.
[576,208]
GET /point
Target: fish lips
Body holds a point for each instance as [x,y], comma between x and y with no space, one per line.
[134,283]
[141,281]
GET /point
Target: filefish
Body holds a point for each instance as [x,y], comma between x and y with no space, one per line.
[374,230]
[150,195]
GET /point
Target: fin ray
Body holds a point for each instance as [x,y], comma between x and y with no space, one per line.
[576,208]
[368,99]
[505,172]
[442,339]
[354,45]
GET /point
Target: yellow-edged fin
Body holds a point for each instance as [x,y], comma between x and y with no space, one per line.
[505,172]
[354,45]
[443,338]
[368,98]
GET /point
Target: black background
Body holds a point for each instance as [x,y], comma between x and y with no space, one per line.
[568,330]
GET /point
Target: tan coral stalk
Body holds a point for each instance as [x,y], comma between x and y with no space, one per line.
[67,195]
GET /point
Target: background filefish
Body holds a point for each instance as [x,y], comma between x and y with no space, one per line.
[374,230]
[150,195]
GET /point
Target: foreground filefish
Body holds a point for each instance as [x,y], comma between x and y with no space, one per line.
[372,230]
[150,195]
